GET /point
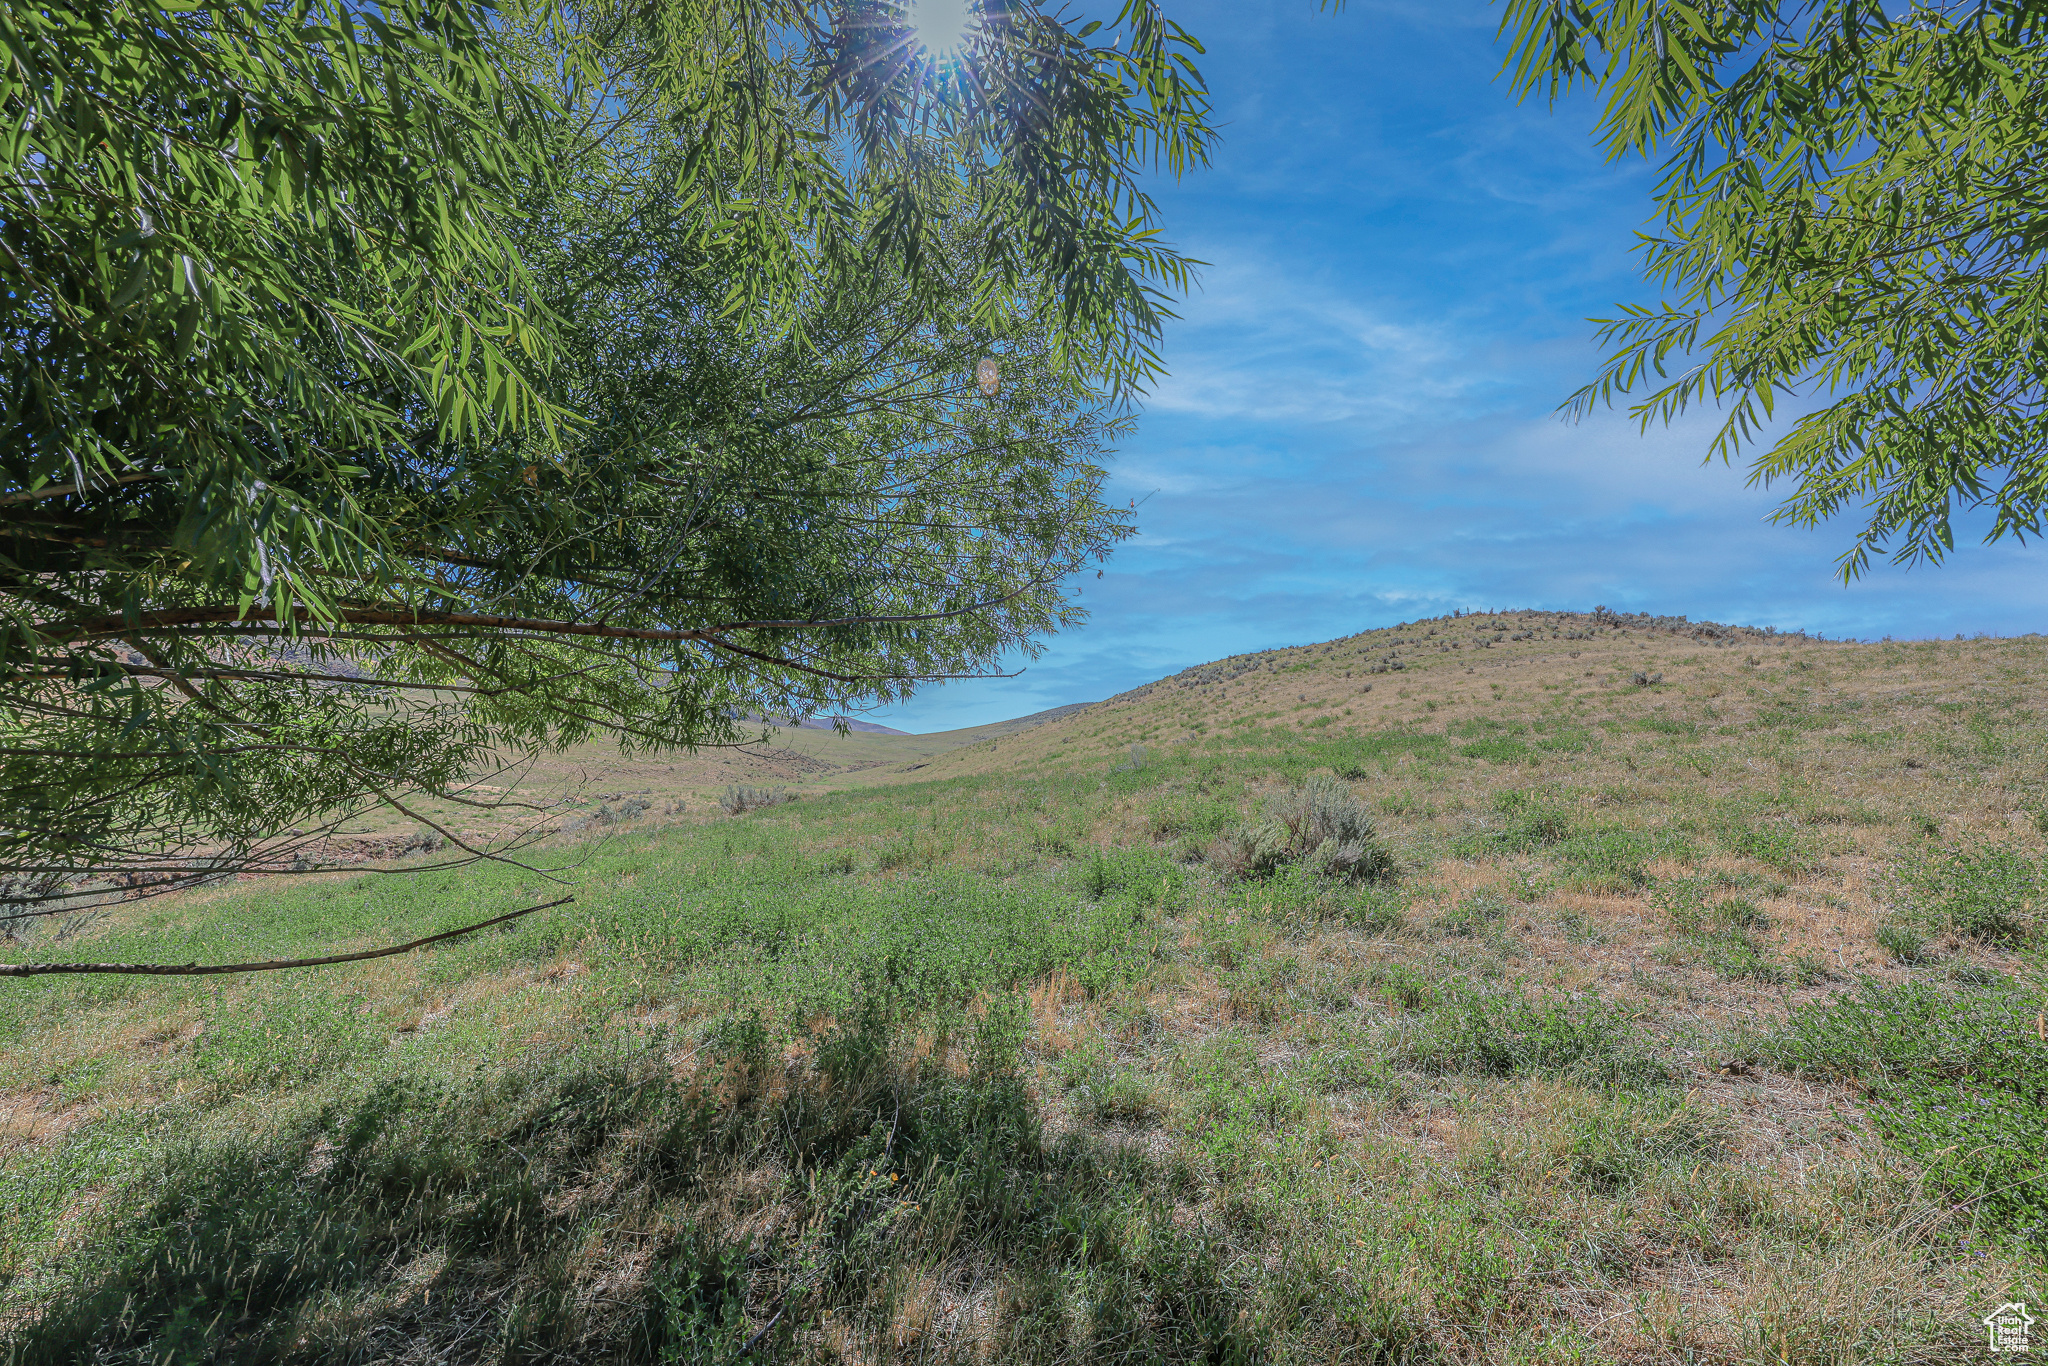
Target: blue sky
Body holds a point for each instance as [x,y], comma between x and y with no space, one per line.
[1359,425]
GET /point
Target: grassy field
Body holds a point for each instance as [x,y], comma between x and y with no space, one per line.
[555,790]
[1697,1019]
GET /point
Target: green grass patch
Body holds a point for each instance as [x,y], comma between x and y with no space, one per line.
[1616,859]
[1958,1080]
[1780,845]
[244,1246]
[1993,893]
[1726,932]
[1507,1033]
[1498,751]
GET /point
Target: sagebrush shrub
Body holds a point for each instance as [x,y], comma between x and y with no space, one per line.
[1252,851]
[1318,824]
[740,798]
[1331,831]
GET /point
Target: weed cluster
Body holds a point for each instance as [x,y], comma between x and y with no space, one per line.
[1533,822]
[1508,1033]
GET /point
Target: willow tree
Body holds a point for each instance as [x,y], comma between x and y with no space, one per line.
[392,392]
[1851,219]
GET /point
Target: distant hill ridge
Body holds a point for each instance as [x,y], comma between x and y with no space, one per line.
[1515,624]
[823,723]
[1038,718]
[1432,674]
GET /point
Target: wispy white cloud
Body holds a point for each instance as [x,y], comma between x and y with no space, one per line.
[1269,340]
[1359,426]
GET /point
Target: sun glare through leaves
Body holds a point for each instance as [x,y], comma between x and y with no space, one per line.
[942,26]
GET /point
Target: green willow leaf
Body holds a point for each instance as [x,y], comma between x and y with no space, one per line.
[1851,216]
[502,379]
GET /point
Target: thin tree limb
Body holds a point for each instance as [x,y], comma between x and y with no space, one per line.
[207,969]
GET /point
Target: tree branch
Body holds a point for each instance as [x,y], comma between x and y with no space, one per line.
[206,969]
[66,490]
[367,616]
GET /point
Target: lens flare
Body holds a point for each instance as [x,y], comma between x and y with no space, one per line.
[942,26]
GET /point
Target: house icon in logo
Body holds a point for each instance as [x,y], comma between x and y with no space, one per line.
[2008,1325]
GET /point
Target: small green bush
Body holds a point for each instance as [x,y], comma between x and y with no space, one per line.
[1782,846]
[1620,1141]
[1297,894]
[1143,875]
[1809,969]
[903,852]
[1724,928]
[1737,916]
[1375,910]
[1258,991]
[1248,852]
[1498,751]
[1902,941]
[1127,1099]
[1616,1141]
[1231,1101]
[839,861]
[1403,985]
[743,1041]
[1184,814]
[1399,803]
[699,1301]
[1534,821]
[1740,958]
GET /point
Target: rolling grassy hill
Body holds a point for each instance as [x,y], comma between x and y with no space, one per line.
[566,788]
[1698,1019]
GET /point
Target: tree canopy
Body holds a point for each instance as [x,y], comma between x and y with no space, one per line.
[390,392]
[1851,219]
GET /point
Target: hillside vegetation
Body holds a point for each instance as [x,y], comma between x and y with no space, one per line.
[1526,987]
[568,789]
